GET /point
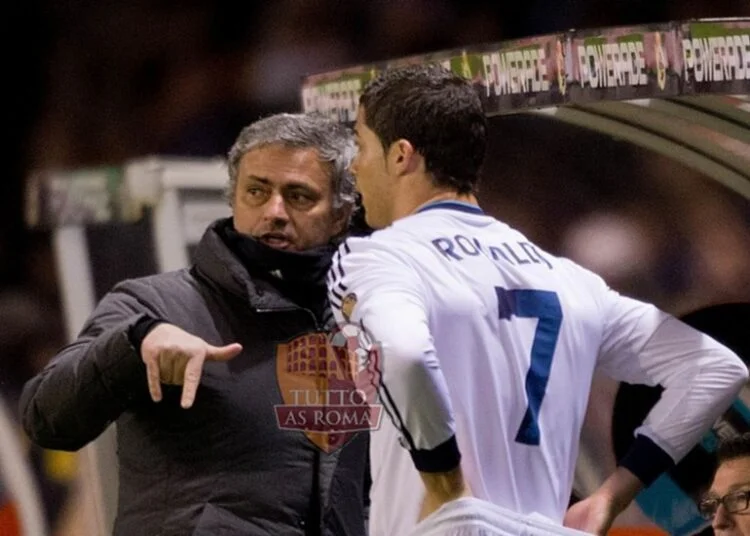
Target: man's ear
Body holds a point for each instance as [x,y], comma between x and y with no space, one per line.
[402,157]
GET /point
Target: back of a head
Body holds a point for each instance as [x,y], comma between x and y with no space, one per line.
[438,112]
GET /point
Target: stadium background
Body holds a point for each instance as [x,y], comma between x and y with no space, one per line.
[101,83]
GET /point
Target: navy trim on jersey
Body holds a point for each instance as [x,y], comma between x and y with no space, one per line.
[646,460]
[334,280]
[443,458]
[393,413]
[389,406]
[337,295]
[452,205]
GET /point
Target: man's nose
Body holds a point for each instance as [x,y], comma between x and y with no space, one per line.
[722,519]
[276,208]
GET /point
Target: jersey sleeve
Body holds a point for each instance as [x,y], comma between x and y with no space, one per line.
[701,378]
[372,286]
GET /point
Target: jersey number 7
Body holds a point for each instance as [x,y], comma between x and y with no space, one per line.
[545,306]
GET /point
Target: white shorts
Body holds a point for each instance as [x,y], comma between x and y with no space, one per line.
[473,517]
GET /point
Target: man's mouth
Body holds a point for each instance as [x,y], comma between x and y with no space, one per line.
[277,240]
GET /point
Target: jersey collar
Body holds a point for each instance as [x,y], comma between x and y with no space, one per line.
[452,205]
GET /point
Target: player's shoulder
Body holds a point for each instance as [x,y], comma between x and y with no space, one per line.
[386,241]
[359,256]
[584,284]
[578,272]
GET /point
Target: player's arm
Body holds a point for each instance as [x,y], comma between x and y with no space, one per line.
[700,377]
[385,295]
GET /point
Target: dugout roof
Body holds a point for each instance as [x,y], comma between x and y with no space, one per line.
[681,88]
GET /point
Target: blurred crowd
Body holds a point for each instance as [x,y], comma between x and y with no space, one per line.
[101,82]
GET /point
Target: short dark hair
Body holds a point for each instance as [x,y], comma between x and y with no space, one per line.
[438,112]
[733,447]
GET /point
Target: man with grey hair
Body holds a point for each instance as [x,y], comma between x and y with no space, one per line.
[207,370]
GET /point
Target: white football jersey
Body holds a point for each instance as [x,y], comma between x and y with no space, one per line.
[487,337]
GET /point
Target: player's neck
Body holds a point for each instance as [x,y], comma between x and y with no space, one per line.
[450,196]
[417,198]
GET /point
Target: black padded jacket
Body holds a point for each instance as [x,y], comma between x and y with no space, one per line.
[222,467]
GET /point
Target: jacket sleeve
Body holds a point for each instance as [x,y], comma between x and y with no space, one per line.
[90,382]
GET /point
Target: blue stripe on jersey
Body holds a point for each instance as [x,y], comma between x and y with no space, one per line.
[452,205]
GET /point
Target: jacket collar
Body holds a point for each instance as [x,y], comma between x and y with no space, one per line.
[215,260]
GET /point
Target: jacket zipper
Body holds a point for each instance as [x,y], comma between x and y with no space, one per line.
[316,508]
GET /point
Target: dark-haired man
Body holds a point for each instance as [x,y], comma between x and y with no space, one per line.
[489,343]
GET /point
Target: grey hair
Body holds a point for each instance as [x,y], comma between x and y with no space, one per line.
[333,141]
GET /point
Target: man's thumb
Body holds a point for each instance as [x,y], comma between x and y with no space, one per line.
[223,353]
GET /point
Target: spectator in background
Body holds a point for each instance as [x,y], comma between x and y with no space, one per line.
[727,502]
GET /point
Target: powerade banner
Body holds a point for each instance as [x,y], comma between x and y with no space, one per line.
[508,76]
[575,67]
[624,63]
[716,56]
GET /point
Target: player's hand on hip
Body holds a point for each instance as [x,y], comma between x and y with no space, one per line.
[175,357]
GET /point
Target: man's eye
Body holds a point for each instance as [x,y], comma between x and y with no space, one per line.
[299,197]
[737,501]
[254,191]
